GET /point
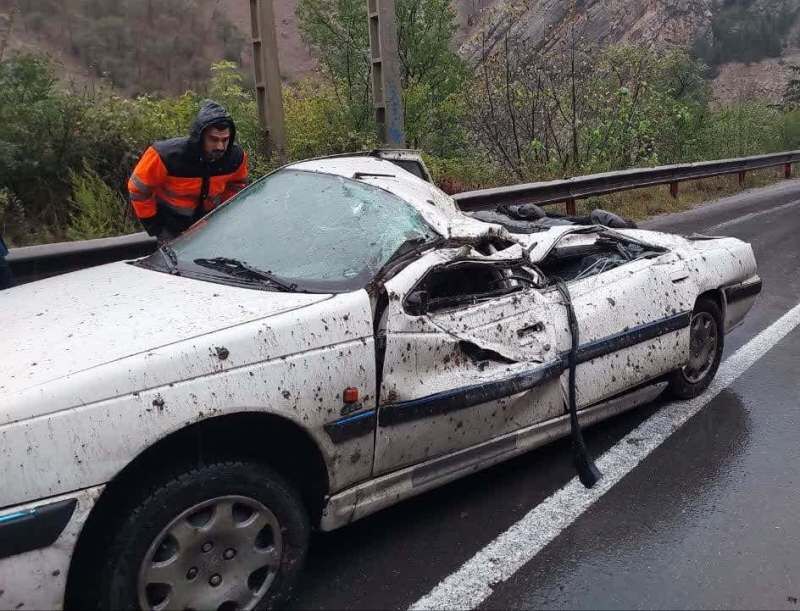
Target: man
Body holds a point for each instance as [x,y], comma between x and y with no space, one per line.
[6,279]
[178,181]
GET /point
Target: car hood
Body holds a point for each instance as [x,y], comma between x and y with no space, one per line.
[71,323]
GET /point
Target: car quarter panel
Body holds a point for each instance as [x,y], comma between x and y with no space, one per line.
[714,262]
[651,299]
[295,365]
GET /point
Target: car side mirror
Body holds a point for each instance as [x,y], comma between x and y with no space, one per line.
[417,303]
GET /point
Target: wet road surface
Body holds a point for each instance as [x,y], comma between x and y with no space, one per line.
[708,520]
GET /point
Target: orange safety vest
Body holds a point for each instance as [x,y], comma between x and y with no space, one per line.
[173,185]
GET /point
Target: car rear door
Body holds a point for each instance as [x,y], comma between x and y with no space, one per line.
[633,322]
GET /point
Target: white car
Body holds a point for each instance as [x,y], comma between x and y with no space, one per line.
[337,338]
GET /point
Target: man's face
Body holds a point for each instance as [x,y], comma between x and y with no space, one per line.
[215,143]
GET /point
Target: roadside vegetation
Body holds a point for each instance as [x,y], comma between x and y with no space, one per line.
[511,113]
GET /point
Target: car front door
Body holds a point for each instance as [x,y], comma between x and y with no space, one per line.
[468,355]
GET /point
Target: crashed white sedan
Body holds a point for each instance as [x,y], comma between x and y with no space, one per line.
[337,338]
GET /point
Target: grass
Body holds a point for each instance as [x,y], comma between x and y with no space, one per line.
[640,204]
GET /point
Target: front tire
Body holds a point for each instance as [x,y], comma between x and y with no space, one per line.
[706,342]
[228,535]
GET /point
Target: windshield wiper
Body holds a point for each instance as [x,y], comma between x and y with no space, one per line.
[170,257]
[234,267]
[414,246]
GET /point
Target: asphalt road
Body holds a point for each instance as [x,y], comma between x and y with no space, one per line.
[709,519]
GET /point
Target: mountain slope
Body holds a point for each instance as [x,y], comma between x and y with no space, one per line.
[748,43]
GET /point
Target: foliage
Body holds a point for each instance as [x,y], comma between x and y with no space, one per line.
[791,96]
[747,31]
[51,134]
[746,128]
[574,109]
[317,124]
[65,156]
[10,213]
[432,75]
[99,210]
[336,31]
[38,138]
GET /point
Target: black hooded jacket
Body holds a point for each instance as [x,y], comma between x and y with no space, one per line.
[174,184]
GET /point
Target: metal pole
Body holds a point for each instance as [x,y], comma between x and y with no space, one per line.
[268,78]
[387,92]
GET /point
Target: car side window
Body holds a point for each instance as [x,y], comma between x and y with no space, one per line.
[461,284]
[585,260]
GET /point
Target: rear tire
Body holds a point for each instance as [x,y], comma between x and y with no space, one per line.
[225,535]
[707,340]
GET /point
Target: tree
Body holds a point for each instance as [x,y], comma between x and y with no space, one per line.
[570,107]
[791,96]
[432,75]
[336,31]
[37,144]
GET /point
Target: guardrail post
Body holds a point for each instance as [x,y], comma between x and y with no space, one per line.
[571,209]
[741,178]
[673,189]
[787,170]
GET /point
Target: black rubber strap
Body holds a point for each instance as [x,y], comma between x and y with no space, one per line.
[588,472]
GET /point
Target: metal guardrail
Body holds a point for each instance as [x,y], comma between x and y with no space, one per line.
[35,262]
[567,191]
[30,263]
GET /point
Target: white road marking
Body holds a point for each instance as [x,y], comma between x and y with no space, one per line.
[471,584]
[751,216]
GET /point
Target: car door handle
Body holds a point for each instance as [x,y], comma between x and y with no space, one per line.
[536,327]
[679,276]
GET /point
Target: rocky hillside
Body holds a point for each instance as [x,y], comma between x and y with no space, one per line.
[748,44]
[159,46]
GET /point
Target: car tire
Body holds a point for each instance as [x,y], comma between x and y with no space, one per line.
[707,340]
[201,530]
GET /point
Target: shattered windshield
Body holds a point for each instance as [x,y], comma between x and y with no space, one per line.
[303,231]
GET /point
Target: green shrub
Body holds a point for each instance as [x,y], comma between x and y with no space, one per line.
[317,123]
[98,210]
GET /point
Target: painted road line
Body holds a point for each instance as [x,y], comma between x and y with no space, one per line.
[471,584]
[751,216]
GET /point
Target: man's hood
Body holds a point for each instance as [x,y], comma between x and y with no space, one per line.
[72,323]
[210,114]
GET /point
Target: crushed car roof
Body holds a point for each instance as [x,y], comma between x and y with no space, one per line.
[443,214]
[435,206]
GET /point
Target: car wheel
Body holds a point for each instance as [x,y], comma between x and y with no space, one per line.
[706,341]
[229,535]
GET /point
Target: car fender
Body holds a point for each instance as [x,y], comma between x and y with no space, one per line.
[294,366]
